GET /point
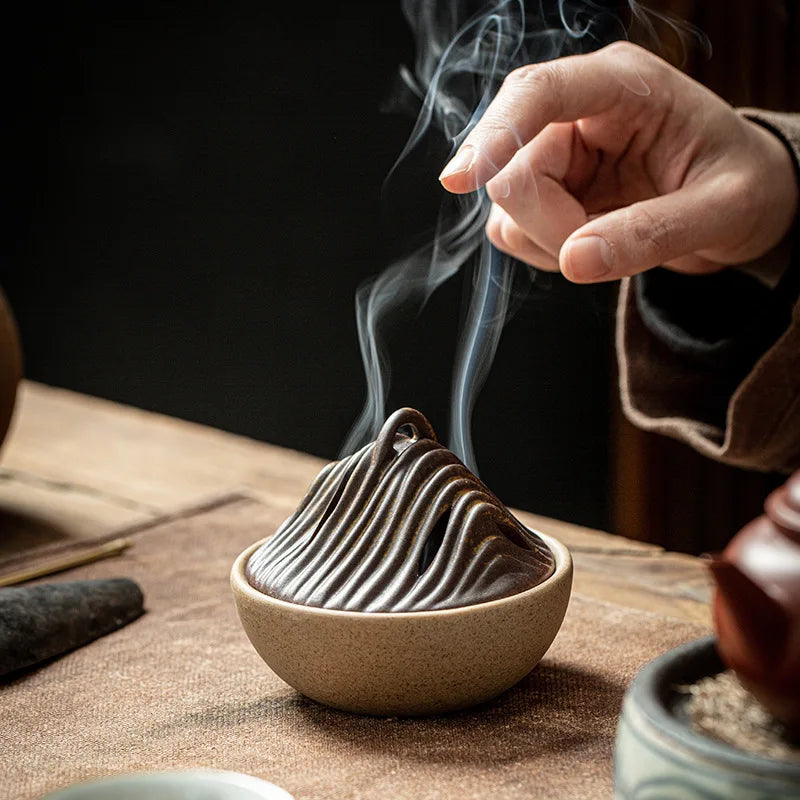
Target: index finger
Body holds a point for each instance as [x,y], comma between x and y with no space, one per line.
[531,97]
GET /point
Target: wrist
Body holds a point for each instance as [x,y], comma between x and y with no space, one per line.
[775,183]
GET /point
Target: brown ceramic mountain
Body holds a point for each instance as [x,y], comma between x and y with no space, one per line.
[757,604]
[401,525]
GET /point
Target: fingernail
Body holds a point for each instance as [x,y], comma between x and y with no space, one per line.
[589,258]
[461,162]
[501,188]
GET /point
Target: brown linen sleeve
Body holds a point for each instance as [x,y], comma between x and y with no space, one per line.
[664,392]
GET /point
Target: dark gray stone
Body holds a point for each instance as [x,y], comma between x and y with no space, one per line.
[46,620]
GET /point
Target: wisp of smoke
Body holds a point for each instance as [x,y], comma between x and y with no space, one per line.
[464,50]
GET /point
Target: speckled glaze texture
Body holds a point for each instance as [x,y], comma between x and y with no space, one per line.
[401,525]
[405,663]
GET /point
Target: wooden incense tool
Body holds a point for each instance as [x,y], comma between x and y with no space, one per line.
[105,550]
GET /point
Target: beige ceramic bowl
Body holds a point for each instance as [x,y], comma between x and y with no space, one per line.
[405,663]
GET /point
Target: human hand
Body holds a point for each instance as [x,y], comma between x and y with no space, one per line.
[605,165]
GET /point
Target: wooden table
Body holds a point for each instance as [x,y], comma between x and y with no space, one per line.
[77,470]
[78,467]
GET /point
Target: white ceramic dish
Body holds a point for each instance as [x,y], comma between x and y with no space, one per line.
[181,785]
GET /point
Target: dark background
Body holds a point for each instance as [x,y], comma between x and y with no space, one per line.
[196,193]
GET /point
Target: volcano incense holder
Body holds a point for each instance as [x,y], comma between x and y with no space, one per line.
[402,585]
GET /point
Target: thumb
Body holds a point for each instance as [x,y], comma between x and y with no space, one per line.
[648,234]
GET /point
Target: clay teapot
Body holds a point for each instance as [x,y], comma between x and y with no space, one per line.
[756,604]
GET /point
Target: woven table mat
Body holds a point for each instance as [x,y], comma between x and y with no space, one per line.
[183,688]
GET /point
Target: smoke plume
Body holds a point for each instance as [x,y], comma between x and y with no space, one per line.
[464,50]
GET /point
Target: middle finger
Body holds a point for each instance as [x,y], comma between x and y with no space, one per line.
[531,189]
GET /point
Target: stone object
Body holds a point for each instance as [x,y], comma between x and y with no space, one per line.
[46,620]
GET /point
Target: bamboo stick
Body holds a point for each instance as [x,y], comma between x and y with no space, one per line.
[112,548]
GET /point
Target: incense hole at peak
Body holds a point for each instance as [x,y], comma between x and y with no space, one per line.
[409,429]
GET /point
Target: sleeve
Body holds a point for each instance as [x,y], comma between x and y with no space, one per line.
[715,360]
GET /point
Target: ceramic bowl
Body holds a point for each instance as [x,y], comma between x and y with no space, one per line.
[657,755]
[178,785]
[405,663]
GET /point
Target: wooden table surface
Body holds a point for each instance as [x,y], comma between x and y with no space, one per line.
[77,468]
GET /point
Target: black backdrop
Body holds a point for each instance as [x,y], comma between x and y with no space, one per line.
[194,194]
